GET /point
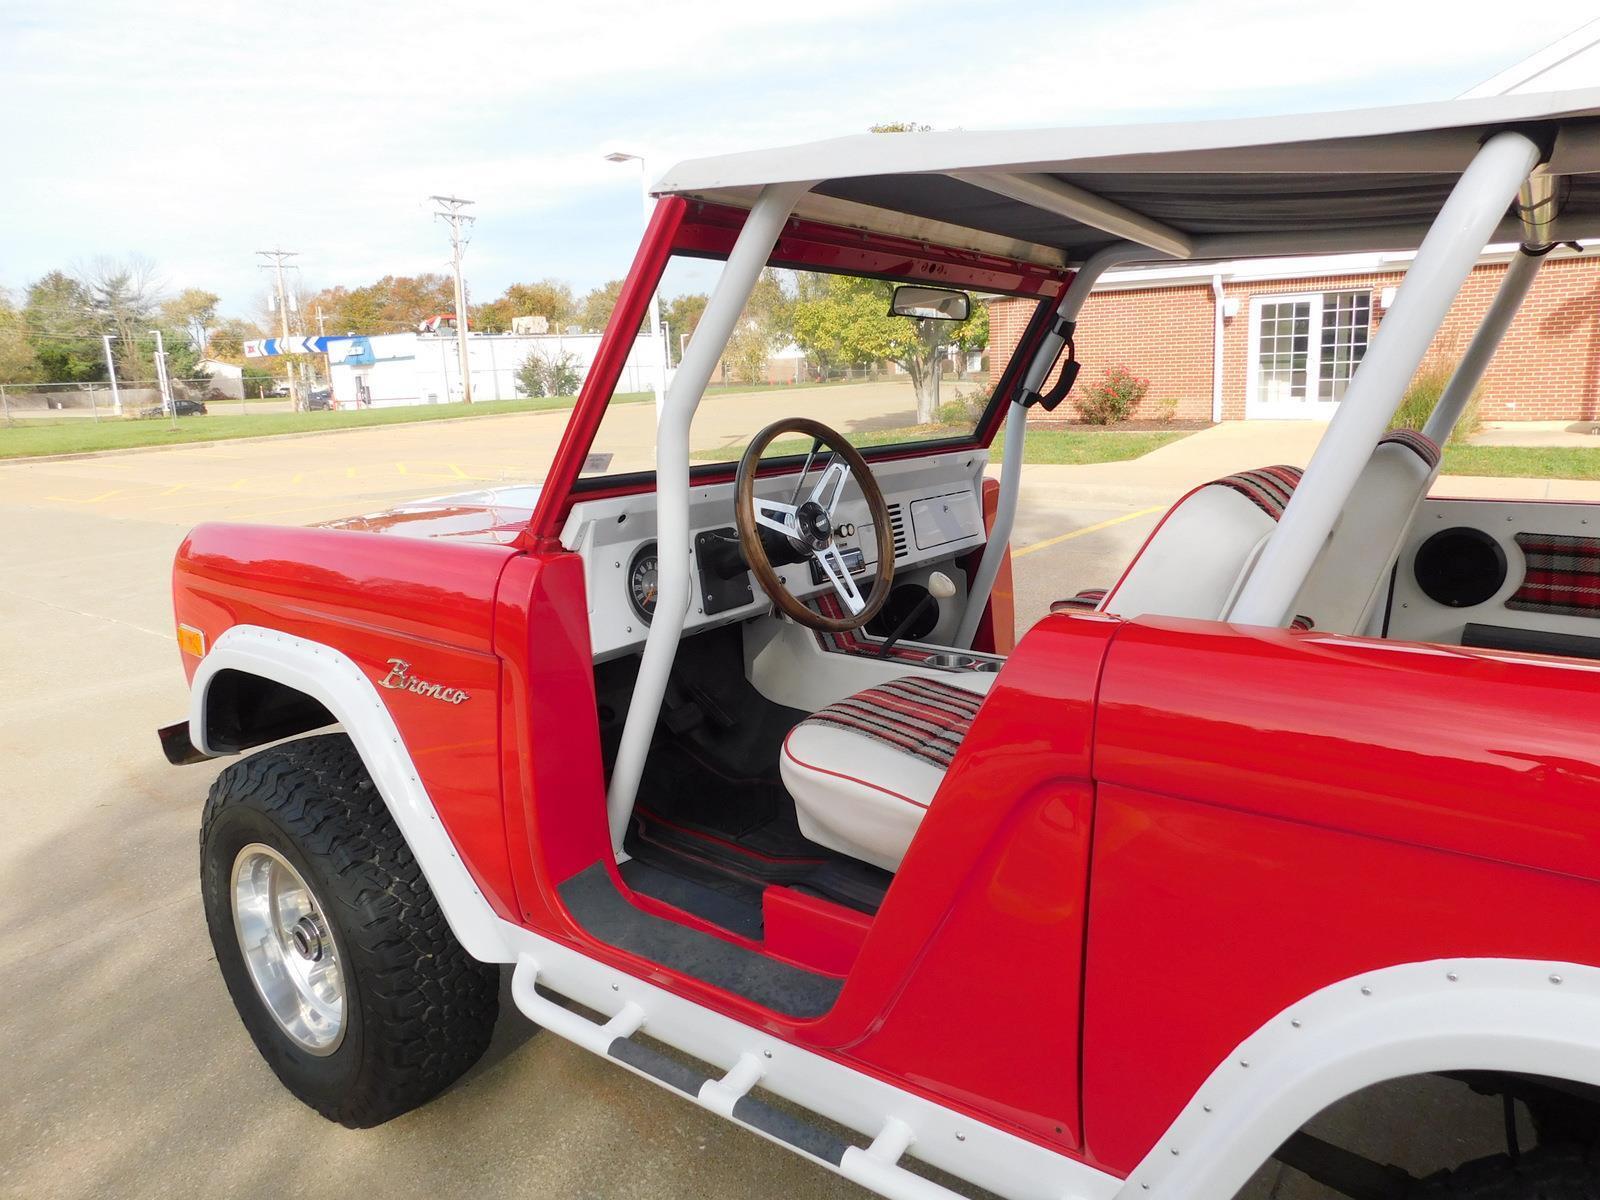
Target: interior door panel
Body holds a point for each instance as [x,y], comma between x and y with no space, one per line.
[1463,576]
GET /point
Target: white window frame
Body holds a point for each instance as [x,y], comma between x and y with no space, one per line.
[1311,408]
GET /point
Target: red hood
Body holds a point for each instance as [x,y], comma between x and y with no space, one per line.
[495,515]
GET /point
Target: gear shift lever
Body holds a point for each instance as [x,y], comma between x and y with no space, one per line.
[940,587]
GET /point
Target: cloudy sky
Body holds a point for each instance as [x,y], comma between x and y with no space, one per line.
[196,133]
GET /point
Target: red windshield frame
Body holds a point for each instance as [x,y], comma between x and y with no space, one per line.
[699,229]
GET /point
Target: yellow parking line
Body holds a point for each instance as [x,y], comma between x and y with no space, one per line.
[88,499]
[1077,533]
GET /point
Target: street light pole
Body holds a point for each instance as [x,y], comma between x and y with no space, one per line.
[658,344]
[161,379]
[111,368]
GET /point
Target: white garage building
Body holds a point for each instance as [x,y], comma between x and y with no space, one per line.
[394,369]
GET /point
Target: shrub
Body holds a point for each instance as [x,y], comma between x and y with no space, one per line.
[1167,410]
[1112,397]
[964,410]
[558,376]
[1422,394]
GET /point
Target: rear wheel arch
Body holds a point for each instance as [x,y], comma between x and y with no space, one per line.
[1515,1017]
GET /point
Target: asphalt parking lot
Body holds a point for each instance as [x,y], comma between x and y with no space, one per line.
[127,1073]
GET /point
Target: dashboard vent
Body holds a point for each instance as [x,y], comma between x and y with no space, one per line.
[897,526]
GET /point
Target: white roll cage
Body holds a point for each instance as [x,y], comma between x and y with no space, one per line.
[1508,165]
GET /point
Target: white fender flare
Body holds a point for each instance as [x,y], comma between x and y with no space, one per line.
[1491,1014]
[331,678]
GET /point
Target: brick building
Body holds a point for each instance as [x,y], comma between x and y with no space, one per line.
[1293,329]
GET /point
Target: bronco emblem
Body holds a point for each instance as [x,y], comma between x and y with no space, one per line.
[401,680]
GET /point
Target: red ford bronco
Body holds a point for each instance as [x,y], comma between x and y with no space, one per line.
[719,738]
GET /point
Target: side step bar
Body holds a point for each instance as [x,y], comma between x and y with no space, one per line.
[877,1167]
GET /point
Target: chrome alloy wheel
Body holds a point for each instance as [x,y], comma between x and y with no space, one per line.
[288,949]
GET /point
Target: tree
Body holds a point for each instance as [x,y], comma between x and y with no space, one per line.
[60,324]
[124,294]
[548,298]
[557,375]
[765,325]
[18,363]
[193,310]
[844,320]
[594,310]
[393,304]
[228,338]
[899,127]
[682,314]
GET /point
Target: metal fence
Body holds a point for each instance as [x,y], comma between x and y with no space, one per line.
[101,401]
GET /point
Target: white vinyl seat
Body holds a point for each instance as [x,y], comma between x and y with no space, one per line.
[1198,558]
[1201,553]
[864,771]
[1346,587]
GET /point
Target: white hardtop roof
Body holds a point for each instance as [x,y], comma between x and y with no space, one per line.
[1368,179]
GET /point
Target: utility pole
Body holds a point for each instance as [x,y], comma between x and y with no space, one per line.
[327,365]
[161,378]
[450,209]
[277,257]
[111,369]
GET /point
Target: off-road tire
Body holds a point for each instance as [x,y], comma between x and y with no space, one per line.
[419,1011]
[1559,1172]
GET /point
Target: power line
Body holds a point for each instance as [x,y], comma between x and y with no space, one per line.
[450,211]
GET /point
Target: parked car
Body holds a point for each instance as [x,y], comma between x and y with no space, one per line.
[319,399]
[1307,800]
[180,406]
[279,388]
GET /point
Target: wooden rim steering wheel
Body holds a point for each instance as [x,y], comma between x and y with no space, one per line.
[803,530]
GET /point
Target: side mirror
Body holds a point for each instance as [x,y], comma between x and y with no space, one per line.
[930,303]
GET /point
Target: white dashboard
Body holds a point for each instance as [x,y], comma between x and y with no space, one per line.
[935,507]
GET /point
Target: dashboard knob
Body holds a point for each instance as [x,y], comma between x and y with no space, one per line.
[845,530]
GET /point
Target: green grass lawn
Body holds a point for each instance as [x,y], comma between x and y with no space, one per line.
[29,437]
[1523,462]
[1054,446]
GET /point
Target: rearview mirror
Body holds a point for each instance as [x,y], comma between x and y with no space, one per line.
[930,303]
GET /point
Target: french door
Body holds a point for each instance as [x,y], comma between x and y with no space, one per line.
[1303,351]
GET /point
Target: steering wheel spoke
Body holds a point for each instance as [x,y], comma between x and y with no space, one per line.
[830,488]
[777,516]
[833,566]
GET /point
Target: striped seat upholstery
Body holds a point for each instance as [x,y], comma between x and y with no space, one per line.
[1201,553]
[864,770]
[1085,601]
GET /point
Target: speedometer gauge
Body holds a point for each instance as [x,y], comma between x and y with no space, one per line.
[642,581]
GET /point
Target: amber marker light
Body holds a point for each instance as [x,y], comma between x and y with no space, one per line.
[192,640]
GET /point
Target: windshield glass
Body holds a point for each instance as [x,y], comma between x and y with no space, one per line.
[807,344]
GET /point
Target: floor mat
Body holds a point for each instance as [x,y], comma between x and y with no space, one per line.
[596,904]
[742,865]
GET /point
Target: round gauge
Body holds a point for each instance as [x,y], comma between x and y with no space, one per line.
[642,581]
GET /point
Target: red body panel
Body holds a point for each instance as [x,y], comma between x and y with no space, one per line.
[426,602]
[997,628]
[811,931]
[1280,811]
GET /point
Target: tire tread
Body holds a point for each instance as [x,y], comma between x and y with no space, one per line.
[427,1008]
